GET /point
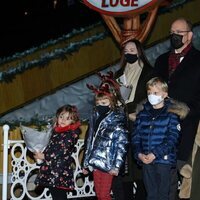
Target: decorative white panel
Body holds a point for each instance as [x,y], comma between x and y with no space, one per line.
[24,174]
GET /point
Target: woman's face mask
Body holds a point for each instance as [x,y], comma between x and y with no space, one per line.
[131,58]
[130,52]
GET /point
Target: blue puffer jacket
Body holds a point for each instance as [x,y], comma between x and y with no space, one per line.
[159,134]
[106,149]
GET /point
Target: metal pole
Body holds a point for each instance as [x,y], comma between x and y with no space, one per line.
[5,162]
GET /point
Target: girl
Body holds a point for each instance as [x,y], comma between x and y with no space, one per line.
[56,172]
[106,142]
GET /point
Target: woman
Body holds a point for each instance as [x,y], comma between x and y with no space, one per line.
[134,73]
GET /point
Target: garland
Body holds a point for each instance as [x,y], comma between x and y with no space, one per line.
[44,59]
[47,44]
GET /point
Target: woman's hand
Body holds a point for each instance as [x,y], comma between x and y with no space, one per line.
[38,155]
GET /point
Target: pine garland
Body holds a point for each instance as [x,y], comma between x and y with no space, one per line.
[45,58]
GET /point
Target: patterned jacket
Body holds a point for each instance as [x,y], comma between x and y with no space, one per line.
[56,170]
[159,134]
[106,148]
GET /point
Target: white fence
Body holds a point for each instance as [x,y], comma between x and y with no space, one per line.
[24,173]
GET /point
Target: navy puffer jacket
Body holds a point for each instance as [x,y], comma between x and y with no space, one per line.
[159,134]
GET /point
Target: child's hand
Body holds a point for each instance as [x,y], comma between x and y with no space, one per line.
[113,172]
[151,157]
[38,155]
[85,171]
[144,158]
[132,116]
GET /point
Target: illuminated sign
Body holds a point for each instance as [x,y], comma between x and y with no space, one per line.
[119,7]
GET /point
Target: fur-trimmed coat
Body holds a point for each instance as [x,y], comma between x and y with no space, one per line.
[158,132]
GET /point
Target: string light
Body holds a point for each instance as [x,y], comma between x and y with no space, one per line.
[55,4]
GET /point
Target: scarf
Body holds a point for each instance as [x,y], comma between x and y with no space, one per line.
[70,127]
[175,59]
[132,73]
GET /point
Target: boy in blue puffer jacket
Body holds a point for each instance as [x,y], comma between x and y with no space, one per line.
[156,136]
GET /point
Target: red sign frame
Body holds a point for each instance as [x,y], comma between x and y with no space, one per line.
[139,10]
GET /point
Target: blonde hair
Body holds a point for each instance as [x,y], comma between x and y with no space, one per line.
[157,81]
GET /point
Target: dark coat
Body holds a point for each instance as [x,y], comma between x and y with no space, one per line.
[159,133]
[140,93]
[56,170]
[184,85]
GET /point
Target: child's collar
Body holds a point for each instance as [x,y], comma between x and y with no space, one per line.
[70,127]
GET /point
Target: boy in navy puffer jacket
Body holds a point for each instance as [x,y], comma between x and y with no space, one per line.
[156,136]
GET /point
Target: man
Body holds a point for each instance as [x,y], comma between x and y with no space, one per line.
[180,68]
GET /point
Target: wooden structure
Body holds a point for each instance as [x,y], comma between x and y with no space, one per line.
[134,26]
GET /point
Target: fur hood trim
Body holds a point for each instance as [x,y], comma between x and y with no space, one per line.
[176,107]
[179,108]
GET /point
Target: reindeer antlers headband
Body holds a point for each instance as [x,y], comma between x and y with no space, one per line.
[105,86]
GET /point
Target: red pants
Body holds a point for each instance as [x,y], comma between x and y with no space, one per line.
[102,184]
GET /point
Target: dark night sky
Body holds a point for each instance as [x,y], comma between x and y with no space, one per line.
[28,23]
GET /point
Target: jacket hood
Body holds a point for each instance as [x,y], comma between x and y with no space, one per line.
[174,106]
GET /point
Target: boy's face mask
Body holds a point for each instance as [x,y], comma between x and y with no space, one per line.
[154,99]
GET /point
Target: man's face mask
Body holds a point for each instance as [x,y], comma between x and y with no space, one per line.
[176,40]
[130,58]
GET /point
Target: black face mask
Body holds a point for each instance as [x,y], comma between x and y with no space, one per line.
[176,41]
[102,110]
[131,58]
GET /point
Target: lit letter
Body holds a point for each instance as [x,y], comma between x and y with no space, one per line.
[125,2]
[114,4]
[134,3]
[103,5]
